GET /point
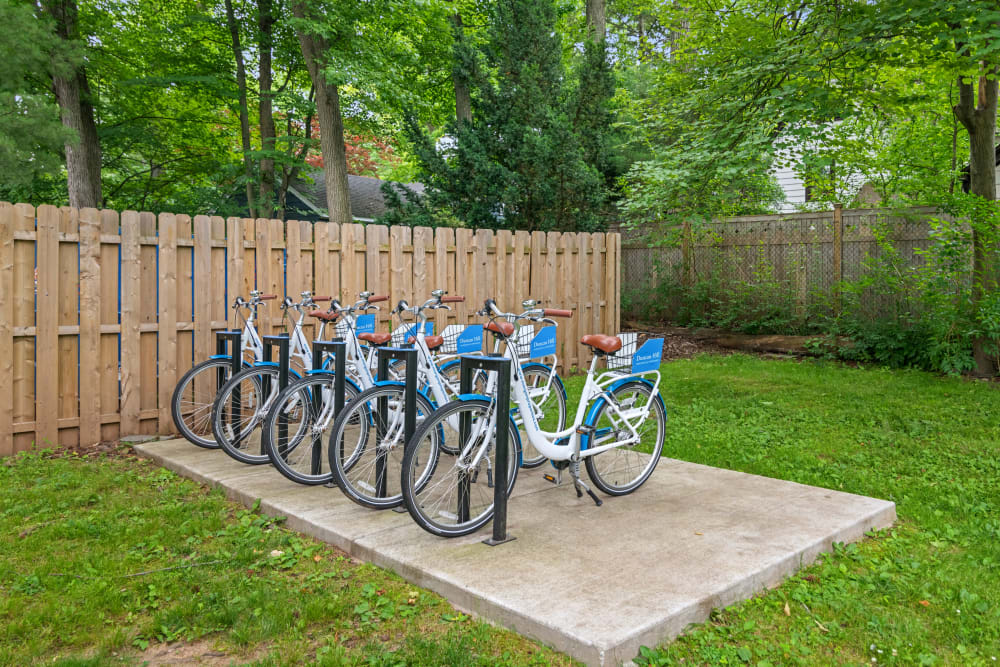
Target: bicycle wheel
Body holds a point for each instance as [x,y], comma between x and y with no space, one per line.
[191,404]
[297,429]
[549,401]
[623,469]
[367,442]
[239,411]
[456,498]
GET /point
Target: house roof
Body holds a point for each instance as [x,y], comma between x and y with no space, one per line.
[367,200]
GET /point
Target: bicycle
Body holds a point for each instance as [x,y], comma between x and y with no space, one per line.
[242,404]
[618,433]
[367,438]
[304,410]
[191,403]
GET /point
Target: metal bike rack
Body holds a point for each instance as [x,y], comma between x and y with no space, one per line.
[337,348]
[409,355]
[235,352]
[501,365]
[282,343]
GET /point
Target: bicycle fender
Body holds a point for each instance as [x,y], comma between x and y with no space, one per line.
[591,417]
[324,371]
[517,433]
[396,383]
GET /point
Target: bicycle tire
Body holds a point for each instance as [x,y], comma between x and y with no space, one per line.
[367,469]
[230,441]
[199,434]
[281,453]
[426,499]
[615,463]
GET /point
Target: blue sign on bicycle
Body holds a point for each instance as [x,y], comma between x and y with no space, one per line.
[470,340]
[365,324]
[648,357]
[544,343]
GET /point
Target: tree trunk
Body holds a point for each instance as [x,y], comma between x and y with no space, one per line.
[596,20]
[463,98]
[265,25]
[241,83]
[331,124]
[979,116]
[76,109]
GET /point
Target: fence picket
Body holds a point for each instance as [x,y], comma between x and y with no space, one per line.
[204,289]
[90,332]
[66,360]
[167,331]
[131,357]
[46,328]
[6,328]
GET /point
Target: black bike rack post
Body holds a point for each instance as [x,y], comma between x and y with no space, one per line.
[501,365]
[338,348]
[235,352]
[409,355]
[282,342]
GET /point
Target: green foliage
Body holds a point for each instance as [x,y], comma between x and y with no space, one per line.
[902,313]
[847,93]
[521,163]
[31,134]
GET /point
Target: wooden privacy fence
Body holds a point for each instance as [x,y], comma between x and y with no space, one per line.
[101,313]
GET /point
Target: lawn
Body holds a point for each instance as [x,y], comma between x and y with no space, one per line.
[84,543]
[113,560]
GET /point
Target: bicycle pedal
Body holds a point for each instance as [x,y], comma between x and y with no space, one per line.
[550,478]
[586,429]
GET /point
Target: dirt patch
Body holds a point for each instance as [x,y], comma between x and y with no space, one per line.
[677,342]
[681,342]
[201,652]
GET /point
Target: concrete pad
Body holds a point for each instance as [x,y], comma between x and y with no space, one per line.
[594,582]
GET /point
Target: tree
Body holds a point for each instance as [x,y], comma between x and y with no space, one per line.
[76,107]
[519,163]
[315,49]
[32,136]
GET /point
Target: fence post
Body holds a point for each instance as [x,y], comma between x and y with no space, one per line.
[687,266]
[838,251]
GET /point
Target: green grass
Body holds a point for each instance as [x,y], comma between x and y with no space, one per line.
[925,592]
[77,535]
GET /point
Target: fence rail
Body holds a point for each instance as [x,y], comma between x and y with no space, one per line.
[807,252]
[101,312]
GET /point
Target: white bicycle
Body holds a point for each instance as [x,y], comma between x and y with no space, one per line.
[242,403]
[191,404]
[618,433]
[366,441]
